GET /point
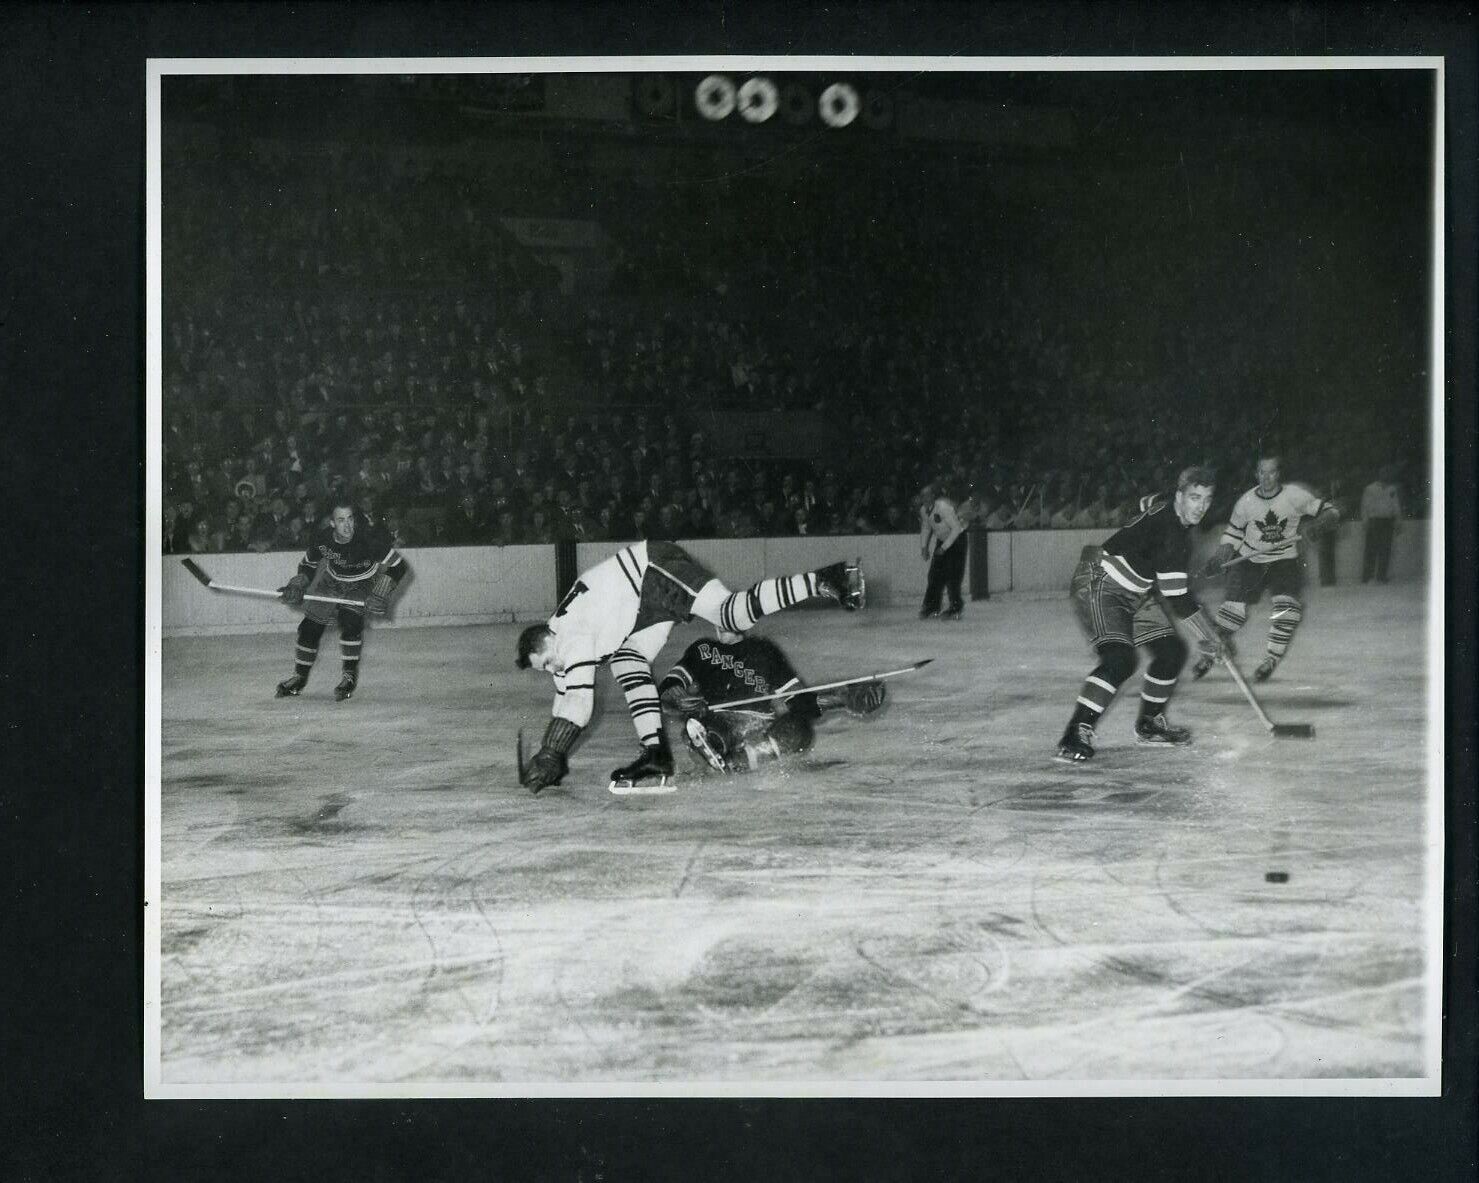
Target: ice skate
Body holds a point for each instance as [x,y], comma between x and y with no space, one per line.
[346,687]
[292,686]
[1077,745]
[651,772]
[1265,669]
[928,614]
[844,583]
[953,613]
[706,744]
[1156,729]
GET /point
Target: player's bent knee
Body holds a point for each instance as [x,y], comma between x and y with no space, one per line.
[1117,661]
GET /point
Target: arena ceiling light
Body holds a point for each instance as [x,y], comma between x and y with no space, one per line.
[839,105]
[758,100]
[714,97]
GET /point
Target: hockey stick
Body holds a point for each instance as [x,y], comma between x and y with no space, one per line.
[519,755]
[743,702]
[195,570]
[1278,730]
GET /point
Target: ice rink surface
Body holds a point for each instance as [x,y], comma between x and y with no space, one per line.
[360,892]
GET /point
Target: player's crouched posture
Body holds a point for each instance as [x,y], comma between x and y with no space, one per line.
[1263,535]
[352,558]
[621,611]
[1120,592]
[734,669]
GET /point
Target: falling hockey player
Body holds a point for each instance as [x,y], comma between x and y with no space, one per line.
[1260,551]
[350,557]
[621,611]
[1120,592]
[734,668]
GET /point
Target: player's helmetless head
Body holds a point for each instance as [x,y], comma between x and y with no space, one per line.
[1194,489]
[1270,469]
[342,519]
[536,650]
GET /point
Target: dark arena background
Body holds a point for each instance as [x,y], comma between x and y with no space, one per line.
[520,318]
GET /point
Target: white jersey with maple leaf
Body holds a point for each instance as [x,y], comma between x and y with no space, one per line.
[1267,528]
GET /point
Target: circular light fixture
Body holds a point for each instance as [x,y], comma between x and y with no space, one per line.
[838,105]
[758,100]
[714,97]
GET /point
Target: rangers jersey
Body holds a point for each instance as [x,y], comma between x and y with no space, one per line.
[1267,528]
[1153,552]
[370,550]
[746,668]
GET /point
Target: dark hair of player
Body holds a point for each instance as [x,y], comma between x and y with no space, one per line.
[1197,474]
[530,640]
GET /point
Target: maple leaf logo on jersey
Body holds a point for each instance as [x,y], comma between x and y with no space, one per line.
[1271,527]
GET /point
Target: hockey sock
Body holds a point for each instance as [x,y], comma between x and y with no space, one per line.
[309,632]
[1231,615]
[1282,621]
[633,673]
[1167,656]
[741,610]
[1116,663]
[351,640]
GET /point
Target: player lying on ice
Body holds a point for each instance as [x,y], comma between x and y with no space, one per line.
[621,611]
[737,668]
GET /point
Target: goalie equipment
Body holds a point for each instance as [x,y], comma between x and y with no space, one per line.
[292,591]
[377,603]
[652,771]
[292,686]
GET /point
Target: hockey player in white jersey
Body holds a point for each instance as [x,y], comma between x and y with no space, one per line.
[621,611]
[1260,551]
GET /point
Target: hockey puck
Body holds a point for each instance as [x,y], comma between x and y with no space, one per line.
[1276,876]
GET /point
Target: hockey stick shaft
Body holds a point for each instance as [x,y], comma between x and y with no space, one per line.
[743,702]
[265,593]
[1237,676]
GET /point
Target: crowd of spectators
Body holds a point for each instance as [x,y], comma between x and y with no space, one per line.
[401,350]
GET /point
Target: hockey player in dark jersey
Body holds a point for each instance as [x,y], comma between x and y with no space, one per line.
[1121,592]
[733,668]
[353,558]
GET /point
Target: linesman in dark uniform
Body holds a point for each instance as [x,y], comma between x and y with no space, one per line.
[353,558]
[1121,593]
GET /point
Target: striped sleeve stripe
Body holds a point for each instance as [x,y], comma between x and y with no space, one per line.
[1173,583]
[623,558]
[391,558]
[1124,574]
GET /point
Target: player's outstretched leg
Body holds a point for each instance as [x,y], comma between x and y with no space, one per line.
[737,612]
[633,673]
[1283,619]
[309,633]
[1168,655]
[1117,662]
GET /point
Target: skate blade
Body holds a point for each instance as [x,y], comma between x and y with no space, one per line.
[646,788]
[698,741]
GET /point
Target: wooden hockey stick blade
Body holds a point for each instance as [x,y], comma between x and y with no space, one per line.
[742,702]
[194,568]
[1277,730]
[1294,730]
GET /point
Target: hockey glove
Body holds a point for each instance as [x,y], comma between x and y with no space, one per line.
[377,603]
[864,698]
[292,591]
[548,766]
[682,702]
[1213,639]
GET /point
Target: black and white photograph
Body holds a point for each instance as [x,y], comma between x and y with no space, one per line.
[794,577]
